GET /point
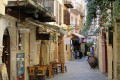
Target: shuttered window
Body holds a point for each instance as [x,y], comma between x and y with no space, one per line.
[60,14]
[66,17]
[57,12]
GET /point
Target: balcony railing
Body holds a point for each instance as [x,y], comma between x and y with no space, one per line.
[47,4]
[41,10]
[68,3]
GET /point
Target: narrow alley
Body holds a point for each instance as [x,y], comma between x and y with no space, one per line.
[43,39]
[80,70]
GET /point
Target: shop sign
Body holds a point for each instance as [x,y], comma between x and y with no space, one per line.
[67,40]
[20,66]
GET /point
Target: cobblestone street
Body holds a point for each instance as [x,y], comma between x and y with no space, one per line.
[80,70]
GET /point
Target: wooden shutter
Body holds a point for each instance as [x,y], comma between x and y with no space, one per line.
[66,17]
[60,12]
[56,12]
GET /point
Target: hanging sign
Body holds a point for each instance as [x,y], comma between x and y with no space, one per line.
[67,40]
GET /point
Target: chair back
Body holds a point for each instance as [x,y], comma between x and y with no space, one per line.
[41,71]
[31,70]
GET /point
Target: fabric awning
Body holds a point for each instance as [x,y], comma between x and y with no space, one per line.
[78,35]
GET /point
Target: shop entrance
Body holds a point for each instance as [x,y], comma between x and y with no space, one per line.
[6,51]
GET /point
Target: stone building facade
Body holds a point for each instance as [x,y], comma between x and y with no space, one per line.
[19,36]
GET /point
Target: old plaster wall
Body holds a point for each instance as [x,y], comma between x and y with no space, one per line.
[100,53]
[45,52]
[52,52]
[9,23]
[34,56]
[109,56]
[63,54]
[29,45]
[116,51]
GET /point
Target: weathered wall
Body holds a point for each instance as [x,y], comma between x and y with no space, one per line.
[34,56]
[9,22]
[63,54]
[109,57]
[100,54]
[116,51]
[3,3]
[29,45]
[45,53]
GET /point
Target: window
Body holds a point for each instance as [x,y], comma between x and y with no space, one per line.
[75,21]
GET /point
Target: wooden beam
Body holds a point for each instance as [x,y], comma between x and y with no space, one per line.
[15,14]
[14,3]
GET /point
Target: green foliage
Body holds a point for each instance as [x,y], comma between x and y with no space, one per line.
[106,18]
[97,30]
[89,44]
[53,38]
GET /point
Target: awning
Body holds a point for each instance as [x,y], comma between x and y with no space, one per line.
[49,26]
[78,35]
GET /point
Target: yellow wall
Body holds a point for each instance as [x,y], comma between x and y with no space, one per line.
[109,56]
[45,52]
[116,56]
[2,8]
[100,54]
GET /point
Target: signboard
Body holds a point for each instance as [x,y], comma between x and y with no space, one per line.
[67,40]
[20,66]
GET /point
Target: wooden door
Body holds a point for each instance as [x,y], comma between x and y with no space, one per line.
[59,48]
[6,53]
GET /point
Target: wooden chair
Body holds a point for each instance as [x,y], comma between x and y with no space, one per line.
[31,73]
[41,73]
[60,68]
[54,69]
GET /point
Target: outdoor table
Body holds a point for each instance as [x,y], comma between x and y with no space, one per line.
[49,67]
[55,63]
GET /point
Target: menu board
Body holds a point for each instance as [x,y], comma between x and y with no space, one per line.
[20,66]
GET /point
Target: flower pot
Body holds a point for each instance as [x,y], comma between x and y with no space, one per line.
[92,62]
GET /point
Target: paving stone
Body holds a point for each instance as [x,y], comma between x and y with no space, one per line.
[80,70]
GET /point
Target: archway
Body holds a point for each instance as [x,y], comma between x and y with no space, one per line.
[6,51]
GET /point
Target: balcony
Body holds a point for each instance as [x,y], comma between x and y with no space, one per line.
[68,3]
[41,10]
[47,4]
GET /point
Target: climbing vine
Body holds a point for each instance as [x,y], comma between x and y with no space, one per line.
[53,38]
[109,11]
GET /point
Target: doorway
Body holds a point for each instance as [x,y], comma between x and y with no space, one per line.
[106,58]
[6,51]
[59,48]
